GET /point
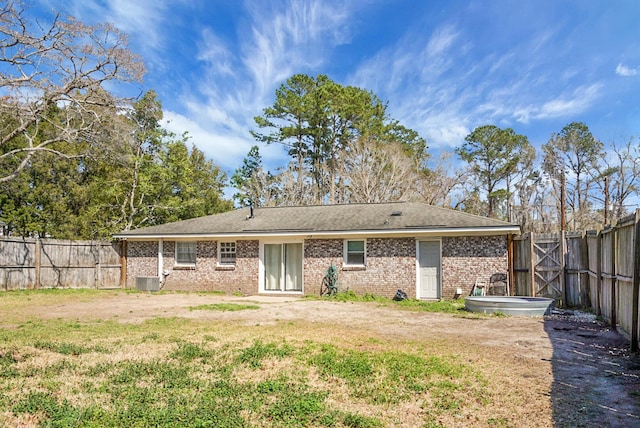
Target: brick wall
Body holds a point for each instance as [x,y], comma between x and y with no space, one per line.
[206,275]
[142,260]
[390,265]
[467,259]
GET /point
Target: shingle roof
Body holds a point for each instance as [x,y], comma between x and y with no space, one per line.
[327,219]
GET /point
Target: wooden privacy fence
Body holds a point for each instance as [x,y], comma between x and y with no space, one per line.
[47,263]
[600,270]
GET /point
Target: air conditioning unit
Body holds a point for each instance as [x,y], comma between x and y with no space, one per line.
[147,283]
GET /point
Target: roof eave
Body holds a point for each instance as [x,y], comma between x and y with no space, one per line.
[407,232]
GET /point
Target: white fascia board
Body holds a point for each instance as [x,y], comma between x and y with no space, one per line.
[408,233]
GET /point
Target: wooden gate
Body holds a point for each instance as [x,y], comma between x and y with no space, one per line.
[548,267]
[597,269]
[539,266]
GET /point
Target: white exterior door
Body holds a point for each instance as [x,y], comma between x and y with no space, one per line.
[429,269]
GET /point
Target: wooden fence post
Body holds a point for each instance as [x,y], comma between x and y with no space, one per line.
[599,273]
[123,264]
[563,268]
[532,263]
[510,263]
[636,283]
[584,269]
[37,261]
[614,309]
[98,276]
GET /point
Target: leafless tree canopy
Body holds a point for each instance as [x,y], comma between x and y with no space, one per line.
[378,172]
[52,79]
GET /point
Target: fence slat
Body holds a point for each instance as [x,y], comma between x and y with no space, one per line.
[635,294]
[597,269]
[46,263]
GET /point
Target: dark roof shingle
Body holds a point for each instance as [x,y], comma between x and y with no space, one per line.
[394,216]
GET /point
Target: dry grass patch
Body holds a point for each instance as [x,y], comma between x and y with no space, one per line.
[318,364]
[150,376]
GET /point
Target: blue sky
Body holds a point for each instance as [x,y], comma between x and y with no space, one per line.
[445,67]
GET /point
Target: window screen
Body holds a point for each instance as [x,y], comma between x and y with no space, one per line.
[186,253]
[355,251]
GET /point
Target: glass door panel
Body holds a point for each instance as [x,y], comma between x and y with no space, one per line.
[283,267]
[272,266]
[293,267]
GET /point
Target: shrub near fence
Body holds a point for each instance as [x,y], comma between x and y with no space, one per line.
[597,269]
[27,263]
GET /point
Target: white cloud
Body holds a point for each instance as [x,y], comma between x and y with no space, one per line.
[443,82]
[290,37]
[446,133]
[213,51]
[414,75]
[239,80]
[441,41]
[413,60]
[143,18]
[449,81]
[623,70]
[579,101]
[225,148]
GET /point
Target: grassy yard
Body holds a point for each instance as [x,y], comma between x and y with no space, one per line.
[174,371]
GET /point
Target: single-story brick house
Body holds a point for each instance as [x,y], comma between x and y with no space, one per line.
[426,251]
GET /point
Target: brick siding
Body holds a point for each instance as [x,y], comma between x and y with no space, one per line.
[142,260]
[206,275]
[466,260]
[390,265]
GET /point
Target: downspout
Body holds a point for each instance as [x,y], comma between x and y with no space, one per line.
[510,266]
[160,263]
[123,264]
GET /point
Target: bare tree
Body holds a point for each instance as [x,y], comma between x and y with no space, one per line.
[527,189]
[290,187]
[618,179]
[572,154]
[438,184]
[52,84]
[377,171]
[545,208]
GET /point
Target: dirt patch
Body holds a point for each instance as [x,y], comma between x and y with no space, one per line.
[566,370]
[596,378]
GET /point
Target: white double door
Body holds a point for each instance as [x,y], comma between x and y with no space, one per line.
[429,269]
[282,267]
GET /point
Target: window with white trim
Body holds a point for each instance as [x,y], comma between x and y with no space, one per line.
[227,253]
[354,252]
[185,253]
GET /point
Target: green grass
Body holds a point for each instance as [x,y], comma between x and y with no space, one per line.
[171,371]
[174,381]
[67,348]
[256,353]
[393,377]
[350,296]
[446,306]
[450,306]
[224,307]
